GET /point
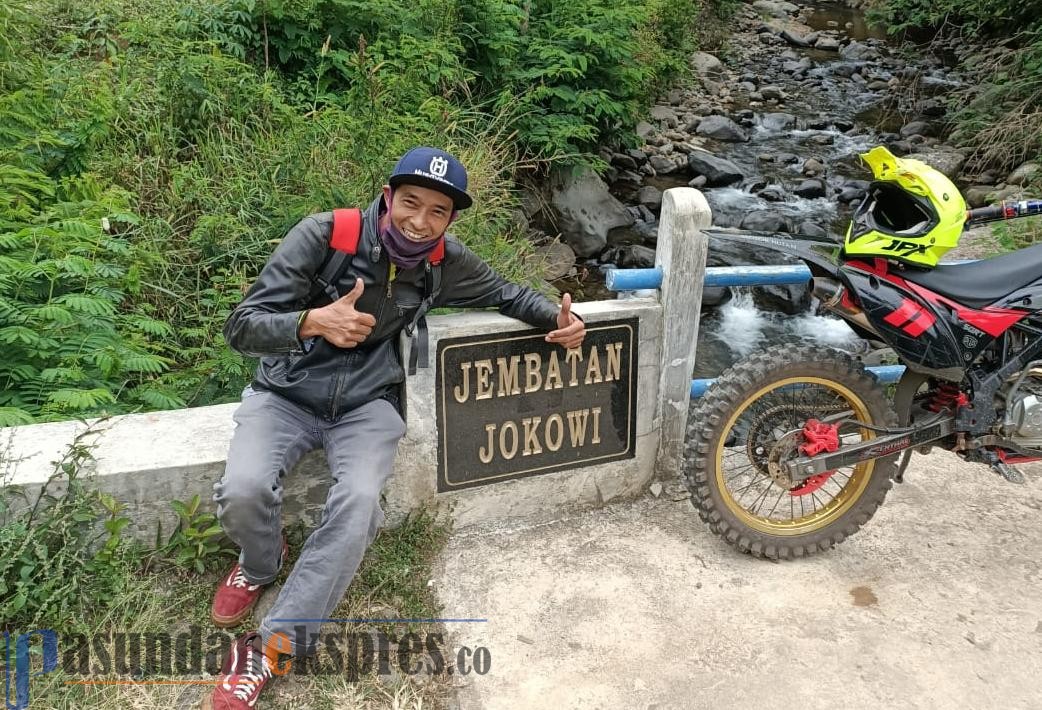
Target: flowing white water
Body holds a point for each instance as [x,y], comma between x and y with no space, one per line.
[739,328]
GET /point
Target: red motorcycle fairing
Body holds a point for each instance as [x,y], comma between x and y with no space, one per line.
[931,333]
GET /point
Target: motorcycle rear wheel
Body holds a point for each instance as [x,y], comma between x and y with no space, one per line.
[753,414]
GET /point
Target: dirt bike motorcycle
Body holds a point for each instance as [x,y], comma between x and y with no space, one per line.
[792,450]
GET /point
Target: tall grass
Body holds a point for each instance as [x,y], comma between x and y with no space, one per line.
[155,151]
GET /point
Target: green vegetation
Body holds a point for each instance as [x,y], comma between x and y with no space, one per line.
[976,15]
[153,152]
[66,564]
[999,115]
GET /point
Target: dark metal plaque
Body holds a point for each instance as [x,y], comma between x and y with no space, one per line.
[512,405]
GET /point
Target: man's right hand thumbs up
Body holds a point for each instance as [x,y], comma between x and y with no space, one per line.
[339,322]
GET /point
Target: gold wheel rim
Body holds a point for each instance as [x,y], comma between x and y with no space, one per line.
[841,502]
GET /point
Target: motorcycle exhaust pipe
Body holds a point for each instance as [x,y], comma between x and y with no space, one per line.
[833,298]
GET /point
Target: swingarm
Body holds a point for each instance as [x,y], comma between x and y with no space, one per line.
[801,468]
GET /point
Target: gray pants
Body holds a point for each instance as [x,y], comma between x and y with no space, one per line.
[271,435]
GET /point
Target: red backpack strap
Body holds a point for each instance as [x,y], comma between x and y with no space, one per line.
[437,254]
[343,243]
[347,227]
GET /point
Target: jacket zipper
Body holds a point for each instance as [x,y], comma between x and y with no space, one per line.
[336,390]
[383,301]
[347,356]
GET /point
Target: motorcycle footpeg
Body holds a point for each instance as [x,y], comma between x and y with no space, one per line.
[1008,471]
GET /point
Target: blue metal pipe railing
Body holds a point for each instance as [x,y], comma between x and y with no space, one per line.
[756,275]
[633,279]
[778,275]
[640,279]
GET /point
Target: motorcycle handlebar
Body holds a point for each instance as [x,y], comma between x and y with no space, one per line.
[1004,210]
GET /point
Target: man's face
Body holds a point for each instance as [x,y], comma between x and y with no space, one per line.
[420,213]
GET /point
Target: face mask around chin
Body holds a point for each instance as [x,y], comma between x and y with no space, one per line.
[404,252]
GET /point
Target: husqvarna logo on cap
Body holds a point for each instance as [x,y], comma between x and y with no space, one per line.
[436,169]
[439,166]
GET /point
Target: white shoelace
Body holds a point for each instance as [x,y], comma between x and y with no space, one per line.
[240,581]
[247,682]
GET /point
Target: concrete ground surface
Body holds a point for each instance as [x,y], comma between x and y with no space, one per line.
[936,603]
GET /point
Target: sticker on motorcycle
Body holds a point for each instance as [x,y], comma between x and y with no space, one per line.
[911,317]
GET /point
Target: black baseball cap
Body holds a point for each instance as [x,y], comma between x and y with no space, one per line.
[436,169]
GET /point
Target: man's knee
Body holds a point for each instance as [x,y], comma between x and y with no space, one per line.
[245,492]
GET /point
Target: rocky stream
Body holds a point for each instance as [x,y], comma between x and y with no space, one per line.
[770,131]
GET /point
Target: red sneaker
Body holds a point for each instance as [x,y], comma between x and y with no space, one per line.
[245,672]
[236,596]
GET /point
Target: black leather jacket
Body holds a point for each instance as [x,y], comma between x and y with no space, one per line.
[329,380]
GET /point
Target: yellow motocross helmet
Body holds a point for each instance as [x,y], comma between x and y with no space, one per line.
[912,213]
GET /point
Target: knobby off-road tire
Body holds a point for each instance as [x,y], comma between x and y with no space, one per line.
[712,436]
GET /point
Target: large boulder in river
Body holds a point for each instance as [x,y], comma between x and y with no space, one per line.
[722,129]
[586,210]
[717,171]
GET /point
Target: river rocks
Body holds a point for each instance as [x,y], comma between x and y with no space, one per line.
[662,165]
[850,194]
[801,67]
[819,139]
[774,9]
[810,229]
[978,195]
[932,108]
[557,259]
[772,193]
[829,44]
[813,166]
[772,92]
[630,256]
[650,197]
[664,114]
[916,128]
[1009,192]
[625,162]
[844,70]
[644,129]
[639,156]
[948,160]
[1023,174]
[794,39]
[717,171]
[705,65]
[766,221]
[857,51]
[586,210]
[810,189]
[784,116]
[721,128]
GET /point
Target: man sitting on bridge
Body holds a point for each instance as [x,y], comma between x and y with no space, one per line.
[329,377]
